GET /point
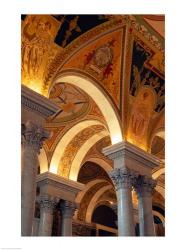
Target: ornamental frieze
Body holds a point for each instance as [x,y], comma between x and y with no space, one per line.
[74,146]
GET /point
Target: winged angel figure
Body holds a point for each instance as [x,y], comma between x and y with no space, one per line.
[137,83]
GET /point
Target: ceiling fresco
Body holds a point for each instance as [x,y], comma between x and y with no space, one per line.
[73,147]
[147,91]
[102,60]
[87,198]
[158,147]
[72,101]
[96,151]
[73,26]
[142,74]
[91,171]
[123,53]
[37,47]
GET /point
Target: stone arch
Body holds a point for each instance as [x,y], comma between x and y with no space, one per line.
[76,164]
[157,173]
[65,140]
[93,201]
[159,132]
[43,162]
[160,216]
[95,91]
[160,190]
[81,194]
[101,162]
[155,176]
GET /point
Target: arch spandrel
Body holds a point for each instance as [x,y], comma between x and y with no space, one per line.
[64,141]
[94,91]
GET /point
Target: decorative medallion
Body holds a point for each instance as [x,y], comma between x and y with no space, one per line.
[103,56]
[73,103]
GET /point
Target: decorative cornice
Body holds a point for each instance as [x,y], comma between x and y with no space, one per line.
[130,151]
[37,103]
[48,179]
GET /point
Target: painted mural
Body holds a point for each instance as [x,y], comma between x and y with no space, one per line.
[73,26]
[148,71]
[72,101]
[102,60]
[147,87]
[37,48]
[73,147]
[87,198]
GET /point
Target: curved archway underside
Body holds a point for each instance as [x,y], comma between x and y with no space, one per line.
[101,100]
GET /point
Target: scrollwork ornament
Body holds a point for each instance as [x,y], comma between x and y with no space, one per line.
[47,203]
[33,135]
[68,209]
[122,178]
[144,186]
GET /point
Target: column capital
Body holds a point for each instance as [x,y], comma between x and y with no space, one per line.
[68,208]
[122,177]
[33,135]
[47,203]
[144,185]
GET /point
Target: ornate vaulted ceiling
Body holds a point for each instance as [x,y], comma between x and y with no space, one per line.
[123,54]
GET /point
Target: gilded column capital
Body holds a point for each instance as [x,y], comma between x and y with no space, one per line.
[47,203]
[68,209]
[33,135]
[122,177]
[144,185]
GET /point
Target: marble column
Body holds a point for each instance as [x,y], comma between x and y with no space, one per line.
[144,187]
[47,204]
[68,208]
[122,179]
[32,140]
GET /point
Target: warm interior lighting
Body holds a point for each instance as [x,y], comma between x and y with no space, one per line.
[116,138]
[53,169]
[35,85]
[76,164]
[103,103]
[66,139]
[139,145]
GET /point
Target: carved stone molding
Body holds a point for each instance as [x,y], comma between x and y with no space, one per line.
[37,103]
[33,136]
[125,154]
[144,186]
[122,178]
[58,186]
[47,203]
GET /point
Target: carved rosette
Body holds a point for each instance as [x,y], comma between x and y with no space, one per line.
[47,203]
[33,136]
[68,209]
[144,186]
[122,178]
